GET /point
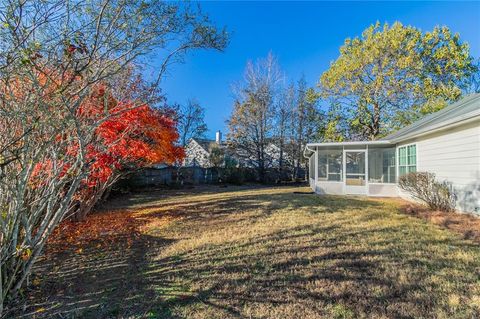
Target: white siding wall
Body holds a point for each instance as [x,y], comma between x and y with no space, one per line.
[196,155]
[454,156]
[325,187]
[382,190]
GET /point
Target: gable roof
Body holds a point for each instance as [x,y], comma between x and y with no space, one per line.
[206,144]
[466,109]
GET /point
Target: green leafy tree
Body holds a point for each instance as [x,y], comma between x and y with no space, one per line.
[392,75]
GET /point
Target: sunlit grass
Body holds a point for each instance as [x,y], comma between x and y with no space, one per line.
[271,253]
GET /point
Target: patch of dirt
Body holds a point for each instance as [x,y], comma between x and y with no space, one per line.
[466,224]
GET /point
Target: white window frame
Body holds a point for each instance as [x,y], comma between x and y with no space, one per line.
[407,165]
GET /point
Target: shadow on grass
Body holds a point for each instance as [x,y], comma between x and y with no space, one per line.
[358,279]
[328,268]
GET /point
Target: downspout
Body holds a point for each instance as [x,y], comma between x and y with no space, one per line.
[309,169]
[307,148]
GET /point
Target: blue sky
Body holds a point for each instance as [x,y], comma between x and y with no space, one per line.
[305,36]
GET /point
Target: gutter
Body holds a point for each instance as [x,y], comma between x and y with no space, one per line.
[378,142]
[307,148]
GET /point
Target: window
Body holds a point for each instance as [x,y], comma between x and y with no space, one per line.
[381,165]
[407,159]
[330,165]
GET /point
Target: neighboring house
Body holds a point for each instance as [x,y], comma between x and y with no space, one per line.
[446,143]
[197,151]
[273,151]
[272,157]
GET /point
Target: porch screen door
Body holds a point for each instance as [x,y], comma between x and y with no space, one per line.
[355,172]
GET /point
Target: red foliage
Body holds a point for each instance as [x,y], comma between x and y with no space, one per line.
[126,135]
[99,231]
[131,135]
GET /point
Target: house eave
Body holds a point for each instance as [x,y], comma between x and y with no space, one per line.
[466,119]
[354,143]
[469,118]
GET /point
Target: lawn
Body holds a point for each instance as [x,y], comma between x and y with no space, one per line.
[240,252]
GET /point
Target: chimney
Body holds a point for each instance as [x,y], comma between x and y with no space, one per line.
[218,137]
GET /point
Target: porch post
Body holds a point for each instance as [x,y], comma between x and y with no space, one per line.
[316,169]
[366,172]
[344,171]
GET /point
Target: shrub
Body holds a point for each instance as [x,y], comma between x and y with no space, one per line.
[234,176]
[424,187]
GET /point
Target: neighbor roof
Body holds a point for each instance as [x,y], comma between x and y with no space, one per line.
[206,144]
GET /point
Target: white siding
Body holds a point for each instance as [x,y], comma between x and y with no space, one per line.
[196,155]
[325,187]
[382,190]
[454,156]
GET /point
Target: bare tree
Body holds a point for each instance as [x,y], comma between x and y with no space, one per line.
[251,123]
[306,123]
[191,121]
[52,55]
[283,128]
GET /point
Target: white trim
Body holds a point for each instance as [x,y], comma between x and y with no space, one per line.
[338,182]
[397,161]
[344,170]
[367,174]
[398,157]
[380,142]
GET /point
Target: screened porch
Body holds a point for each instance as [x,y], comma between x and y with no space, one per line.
[359,168]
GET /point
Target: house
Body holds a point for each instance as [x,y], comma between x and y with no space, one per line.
[446,143]
[271,159]
[197,151]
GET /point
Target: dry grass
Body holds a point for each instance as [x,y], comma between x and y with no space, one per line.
[265,253]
